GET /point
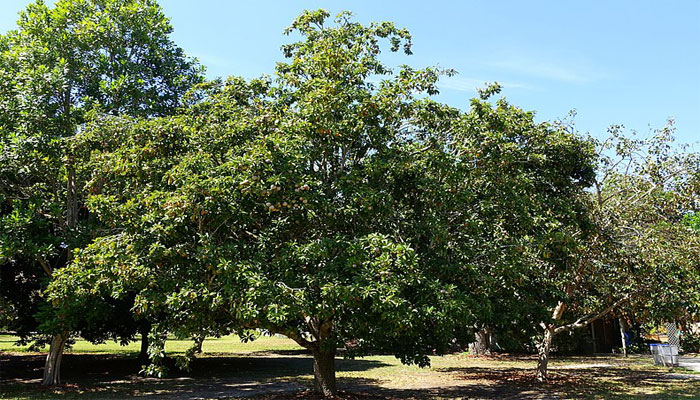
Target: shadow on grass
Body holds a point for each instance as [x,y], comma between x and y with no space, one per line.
[596,382]
[284,375]
[290,352]
[116,376]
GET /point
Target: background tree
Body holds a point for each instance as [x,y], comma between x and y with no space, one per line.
[639,259]
[111,56]
[529,200]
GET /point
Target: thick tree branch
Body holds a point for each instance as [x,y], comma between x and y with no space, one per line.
[294,335]
[581,322]
[45,265]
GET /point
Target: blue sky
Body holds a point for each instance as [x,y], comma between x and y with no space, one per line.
[634,63]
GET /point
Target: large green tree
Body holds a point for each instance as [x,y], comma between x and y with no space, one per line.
[58,66]
[337,205]
[295,208]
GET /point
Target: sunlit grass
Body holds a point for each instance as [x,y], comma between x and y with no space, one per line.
[226,344]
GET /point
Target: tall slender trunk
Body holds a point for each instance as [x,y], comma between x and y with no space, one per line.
[324,372]
[52,368]
[145,329]
[595,341]
[543,354]
[622,335]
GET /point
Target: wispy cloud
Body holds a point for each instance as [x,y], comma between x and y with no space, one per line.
[570,72]
[212,60]
[464,84]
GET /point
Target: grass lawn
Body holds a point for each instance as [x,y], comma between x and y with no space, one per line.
[276,368]
[228,344]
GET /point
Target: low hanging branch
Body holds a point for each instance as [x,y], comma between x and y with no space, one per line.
[45,265]
[581,322]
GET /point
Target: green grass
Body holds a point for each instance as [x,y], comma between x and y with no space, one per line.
[226,344]
[271,364]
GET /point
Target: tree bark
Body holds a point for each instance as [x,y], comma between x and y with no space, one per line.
[199,340]
[145,329]
[551,329]
[482,345]
[71,199]
[595,341]
[622,336]
[52,368]
[546,345]
[543,354]
[324,372]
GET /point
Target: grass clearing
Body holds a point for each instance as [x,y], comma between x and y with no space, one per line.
[226,344]
[277,368]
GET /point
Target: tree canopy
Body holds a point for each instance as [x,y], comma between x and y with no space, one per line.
[61,65]
[325,206]
[337,203]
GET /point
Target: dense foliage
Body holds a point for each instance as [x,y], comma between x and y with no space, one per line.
[61,65]
[326,207]
[337,203]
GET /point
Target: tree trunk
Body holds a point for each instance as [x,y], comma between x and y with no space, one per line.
[199,340]
[622,336]
[543,354]
[145,329]
[543,350]
[52,368]
[482,345]
[324,372]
